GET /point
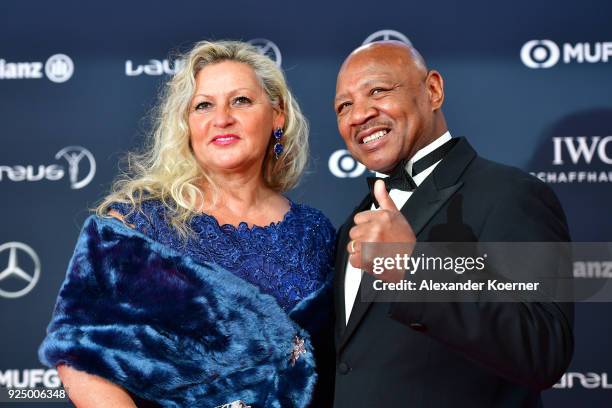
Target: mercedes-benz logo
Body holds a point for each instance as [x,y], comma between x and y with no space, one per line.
[13,268]
[267,48]
[385,35]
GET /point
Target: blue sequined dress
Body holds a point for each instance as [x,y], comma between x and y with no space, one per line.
[289,259]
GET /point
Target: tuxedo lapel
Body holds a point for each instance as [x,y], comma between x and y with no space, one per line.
[439,187]
[424,203]
[363,301]
[340,266]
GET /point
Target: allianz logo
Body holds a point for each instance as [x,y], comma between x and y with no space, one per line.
[58,68]
[581,148]
[592,269]
[81,169]
[586,380]
[29,378]
[153,67]
[20,70]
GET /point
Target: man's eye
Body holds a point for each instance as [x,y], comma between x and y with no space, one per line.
[375,91]
[342,106]
[242,100]
[203,106]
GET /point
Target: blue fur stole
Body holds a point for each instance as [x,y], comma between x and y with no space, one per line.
[177,332]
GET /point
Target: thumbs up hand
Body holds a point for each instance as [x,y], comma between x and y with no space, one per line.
[385,225]
[382,196]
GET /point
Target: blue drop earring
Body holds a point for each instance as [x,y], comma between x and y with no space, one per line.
[278,147]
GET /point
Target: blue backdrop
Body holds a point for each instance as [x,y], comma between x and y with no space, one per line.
[528,82]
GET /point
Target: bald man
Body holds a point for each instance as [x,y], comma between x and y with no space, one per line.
[409,354]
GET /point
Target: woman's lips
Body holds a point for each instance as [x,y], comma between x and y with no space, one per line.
[223,140]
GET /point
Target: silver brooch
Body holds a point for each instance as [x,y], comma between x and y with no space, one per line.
[298,348]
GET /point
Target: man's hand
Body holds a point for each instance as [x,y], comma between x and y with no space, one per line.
[385,225]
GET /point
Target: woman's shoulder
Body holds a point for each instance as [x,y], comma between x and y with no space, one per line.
[313,217]
[143,216]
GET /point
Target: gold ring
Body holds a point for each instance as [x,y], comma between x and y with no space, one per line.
[353,246]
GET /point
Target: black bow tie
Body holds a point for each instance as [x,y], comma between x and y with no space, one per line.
[400,179]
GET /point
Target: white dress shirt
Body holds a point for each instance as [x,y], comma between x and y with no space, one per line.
[352,277]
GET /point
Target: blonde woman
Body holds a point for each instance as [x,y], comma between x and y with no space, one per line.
[198,283]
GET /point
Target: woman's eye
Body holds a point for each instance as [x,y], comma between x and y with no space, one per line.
[242,100]
[203,106]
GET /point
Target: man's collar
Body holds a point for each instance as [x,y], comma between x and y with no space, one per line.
[423,152]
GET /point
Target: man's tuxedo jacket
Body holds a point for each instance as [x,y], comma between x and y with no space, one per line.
[457,354]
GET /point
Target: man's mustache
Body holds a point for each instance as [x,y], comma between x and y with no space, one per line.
[373,124]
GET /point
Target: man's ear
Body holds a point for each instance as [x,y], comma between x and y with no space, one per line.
[435,89]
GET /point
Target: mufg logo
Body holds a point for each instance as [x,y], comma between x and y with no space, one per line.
[58,68]
[547,54]
[385,35]
[19,269]
[267,48]
[29,378]
[342,165]
[81,168]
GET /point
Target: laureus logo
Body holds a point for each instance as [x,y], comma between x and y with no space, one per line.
[584,380]
[267,48]
[154,67]
[74,155]
[81,169]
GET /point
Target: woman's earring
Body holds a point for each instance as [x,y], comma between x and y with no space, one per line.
[278,147]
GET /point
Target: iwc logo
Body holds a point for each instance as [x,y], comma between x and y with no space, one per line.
[21,263]
[579,159]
